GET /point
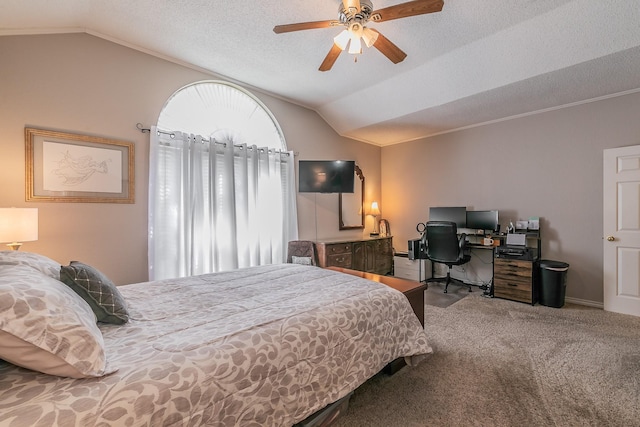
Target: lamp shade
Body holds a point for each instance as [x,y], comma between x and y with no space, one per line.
[342,39]
[369,36]
[18,224]
[375,211]
[355,46]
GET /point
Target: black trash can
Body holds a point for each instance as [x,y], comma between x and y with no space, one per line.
[553,282]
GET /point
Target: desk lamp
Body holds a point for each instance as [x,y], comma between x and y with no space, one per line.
[18,225]
[374,212]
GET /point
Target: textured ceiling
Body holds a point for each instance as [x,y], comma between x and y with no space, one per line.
[473,62]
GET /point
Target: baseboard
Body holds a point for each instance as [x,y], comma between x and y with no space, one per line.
[586,302]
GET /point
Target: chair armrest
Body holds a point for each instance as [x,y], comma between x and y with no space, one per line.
[463,245]
[462,241]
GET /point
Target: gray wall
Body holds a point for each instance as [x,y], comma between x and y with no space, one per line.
[547,165]
[79,83]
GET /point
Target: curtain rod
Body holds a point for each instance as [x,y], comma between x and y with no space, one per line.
[142,129]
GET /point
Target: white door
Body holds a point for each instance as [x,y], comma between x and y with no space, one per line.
[621,230]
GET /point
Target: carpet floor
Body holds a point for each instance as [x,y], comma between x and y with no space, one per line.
[503,363]
[435,296]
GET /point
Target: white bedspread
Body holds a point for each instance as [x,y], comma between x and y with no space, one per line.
[263,346]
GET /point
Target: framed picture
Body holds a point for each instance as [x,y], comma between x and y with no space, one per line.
[385,230]
[66,167]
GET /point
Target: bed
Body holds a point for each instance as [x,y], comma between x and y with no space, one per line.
[260,346]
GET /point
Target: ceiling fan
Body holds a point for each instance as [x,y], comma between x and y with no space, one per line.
[355,15]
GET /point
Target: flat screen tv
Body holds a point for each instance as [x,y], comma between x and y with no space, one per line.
[457,214]
[326,176]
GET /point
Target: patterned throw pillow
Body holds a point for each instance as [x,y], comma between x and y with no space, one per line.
[302,260]
[97,290]
[46,327]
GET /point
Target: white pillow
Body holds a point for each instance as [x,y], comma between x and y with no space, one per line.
[302,260]
[45,326]
[41,263]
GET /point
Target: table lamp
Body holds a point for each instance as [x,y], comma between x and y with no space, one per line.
[18,225]
[375,211]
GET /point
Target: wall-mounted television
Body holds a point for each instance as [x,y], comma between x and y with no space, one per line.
[326,176]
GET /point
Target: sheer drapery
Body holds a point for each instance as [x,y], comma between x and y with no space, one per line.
[217,206]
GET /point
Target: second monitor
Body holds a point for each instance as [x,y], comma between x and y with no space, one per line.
[482,220]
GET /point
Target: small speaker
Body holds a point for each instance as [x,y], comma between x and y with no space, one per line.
[416,249]
[413,248]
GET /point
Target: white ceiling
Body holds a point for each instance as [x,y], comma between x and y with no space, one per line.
[477,61]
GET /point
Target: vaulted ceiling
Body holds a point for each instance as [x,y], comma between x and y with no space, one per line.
[476,61]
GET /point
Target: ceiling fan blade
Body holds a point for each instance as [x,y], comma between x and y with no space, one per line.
[403,10]
[351,5]
[331,57]
[388,49]
[287,28]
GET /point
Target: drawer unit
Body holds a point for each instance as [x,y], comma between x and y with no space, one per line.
[371,255]
[409,269]
[515,280]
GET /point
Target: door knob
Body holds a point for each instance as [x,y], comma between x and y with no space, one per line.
[611,238]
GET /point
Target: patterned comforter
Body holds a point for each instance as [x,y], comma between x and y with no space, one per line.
[262,346]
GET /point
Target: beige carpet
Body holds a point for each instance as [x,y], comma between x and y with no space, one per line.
[435,295]
[503,363]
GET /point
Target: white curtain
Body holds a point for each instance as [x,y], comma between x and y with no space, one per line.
[217,206]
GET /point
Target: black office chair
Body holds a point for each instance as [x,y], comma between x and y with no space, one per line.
[444,246]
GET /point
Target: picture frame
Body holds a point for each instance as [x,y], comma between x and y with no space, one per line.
[385,229]
[68,167]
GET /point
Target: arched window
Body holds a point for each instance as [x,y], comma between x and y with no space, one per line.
[221,184]
[223,111]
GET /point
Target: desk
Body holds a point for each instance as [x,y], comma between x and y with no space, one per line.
[480,246]
[478,272]
[510,277]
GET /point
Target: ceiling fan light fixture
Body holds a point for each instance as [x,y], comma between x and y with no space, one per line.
[355,46]
[354,15]
[342,39]
[369,36]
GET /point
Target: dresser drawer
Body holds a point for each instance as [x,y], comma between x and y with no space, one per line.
[339,260]
[510,289]
[338,248]
[511,269]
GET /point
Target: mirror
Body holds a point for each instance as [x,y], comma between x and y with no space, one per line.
[351,205]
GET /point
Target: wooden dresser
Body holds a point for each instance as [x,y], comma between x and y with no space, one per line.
[374,255]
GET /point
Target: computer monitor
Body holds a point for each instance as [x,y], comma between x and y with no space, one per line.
[482,220]
[457,214]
